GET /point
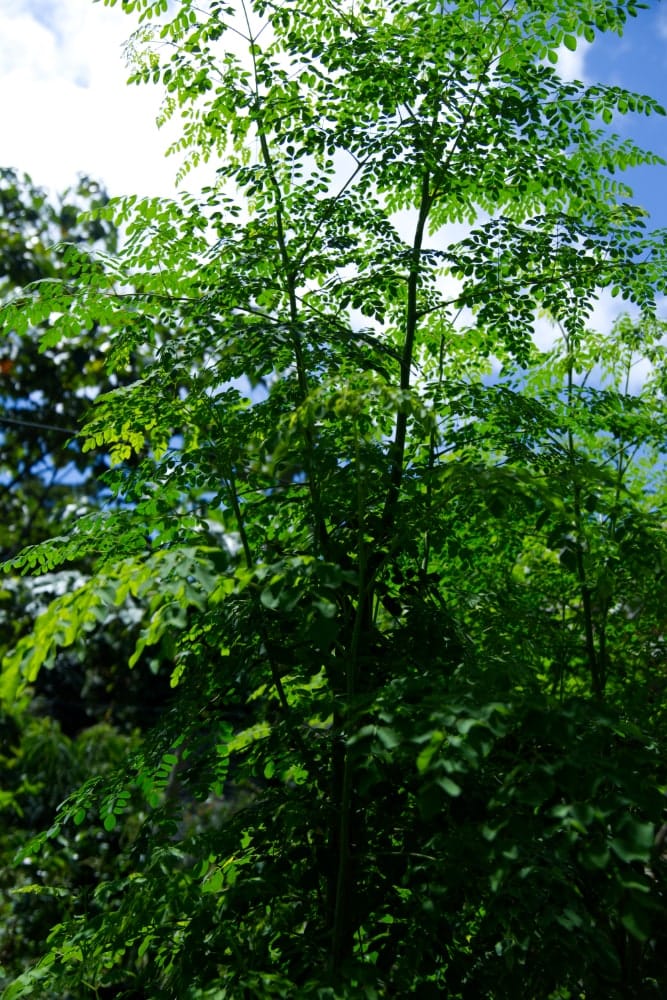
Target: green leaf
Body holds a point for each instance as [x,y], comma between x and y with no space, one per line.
[448,786]
[637,923]
[633,841]
[109,822]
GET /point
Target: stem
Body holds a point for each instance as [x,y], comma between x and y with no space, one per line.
[290,278]
[411,321]
[343,899]
[275,673]
[413,315]
[622,462]
[432,448]
[247,552]
[343,895]
[597,680]
[290,271]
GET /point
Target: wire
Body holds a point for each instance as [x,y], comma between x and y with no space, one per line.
[32,423]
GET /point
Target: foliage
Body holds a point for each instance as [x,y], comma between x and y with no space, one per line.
[404,570]
[48,481]
[41,766]
[84,710]
[44,394]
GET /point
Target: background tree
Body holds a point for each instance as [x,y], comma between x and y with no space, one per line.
[395,593]
[49,482]
[84,712]
[45,393]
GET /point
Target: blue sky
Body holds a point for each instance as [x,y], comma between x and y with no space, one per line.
[638,62]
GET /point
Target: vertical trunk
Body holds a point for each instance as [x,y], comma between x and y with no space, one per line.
[596,675]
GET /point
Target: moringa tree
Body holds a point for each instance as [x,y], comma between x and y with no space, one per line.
[364,557]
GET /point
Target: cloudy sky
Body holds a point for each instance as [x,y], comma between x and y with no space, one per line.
[65,104]
[66,107]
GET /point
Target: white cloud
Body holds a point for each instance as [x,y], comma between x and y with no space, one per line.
[28,46]
[66,106]
[572,65]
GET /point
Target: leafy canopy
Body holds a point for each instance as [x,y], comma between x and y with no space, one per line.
[397,587]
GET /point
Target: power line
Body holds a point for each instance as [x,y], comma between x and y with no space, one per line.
[33,423]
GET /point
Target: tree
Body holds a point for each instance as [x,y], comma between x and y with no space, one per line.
[392,593]
[45,392]
[83,715]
